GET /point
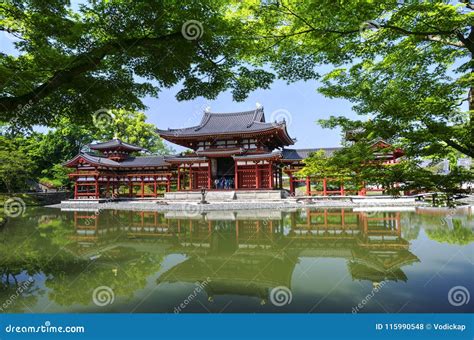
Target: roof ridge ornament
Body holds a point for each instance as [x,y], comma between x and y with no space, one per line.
[255,114]
[205,119]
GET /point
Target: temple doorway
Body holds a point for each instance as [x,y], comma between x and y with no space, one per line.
[225,173]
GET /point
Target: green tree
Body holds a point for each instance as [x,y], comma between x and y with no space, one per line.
[15,166]
[106,53]
[40,156]
[361,163]
[408,66]
[131,127]
[321,165]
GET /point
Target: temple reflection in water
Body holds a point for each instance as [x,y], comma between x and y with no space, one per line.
[250,252]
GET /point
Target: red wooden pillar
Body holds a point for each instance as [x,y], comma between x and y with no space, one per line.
[96,186]
[154,186]
[276,178]
[236,175]
[209,175]
[168,183]
[75,188]
[191,177]
[257,176]
[179,177]
[107,188]
[308,186]
[130,187]
[342,189]
[142,187]
[270,175]
[280,177]
[325,186]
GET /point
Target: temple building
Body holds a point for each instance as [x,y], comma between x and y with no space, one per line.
[228,151]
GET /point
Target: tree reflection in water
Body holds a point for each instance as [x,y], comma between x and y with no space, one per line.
[244,253]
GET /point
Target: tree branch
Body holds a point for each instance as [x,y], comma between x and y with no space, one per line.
[468,4]
[83,63]
[469,151]
[439,39]
[419,33]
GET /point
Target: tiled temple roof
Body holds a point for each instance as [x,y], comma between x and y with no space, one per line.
[300,154]
[144,161]
[114,144]
[270,155]
[238,123]
[185,159]
[212,123]
[131,162]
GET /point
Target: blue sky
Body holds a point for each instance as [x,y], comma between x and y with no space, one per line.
[299,103]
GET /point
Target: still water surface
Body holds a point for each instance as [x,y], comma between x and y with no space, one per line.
[245,261]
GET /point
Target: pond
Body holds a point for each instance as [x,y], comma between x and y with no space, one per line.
[323,260]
